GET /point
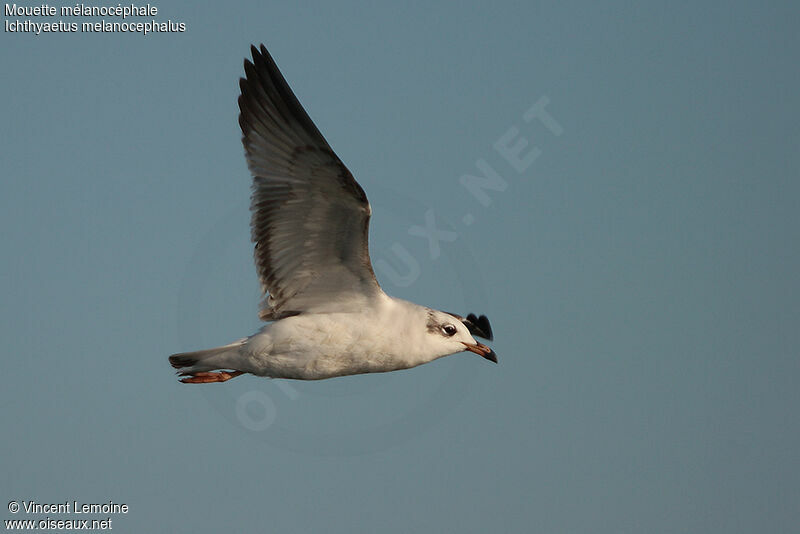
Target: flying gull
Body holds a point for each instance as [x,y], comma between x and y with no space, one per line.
[327,316]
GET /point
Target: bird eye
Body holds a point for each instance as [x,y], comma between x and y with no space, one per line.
[449,330]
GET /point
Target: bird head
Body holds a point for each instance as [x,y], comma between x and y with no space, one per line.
[454,333]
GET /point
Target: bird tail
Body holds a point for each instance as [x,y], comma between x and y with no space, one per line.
[225,357]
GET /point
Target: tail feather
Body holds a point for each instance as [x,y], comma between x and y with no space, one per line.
[207,360]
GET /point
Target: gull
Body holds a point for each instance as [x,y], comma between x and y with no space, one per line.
[327,315]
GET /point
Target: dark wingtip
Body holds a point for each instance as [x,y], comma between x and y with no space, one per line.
[479,326]
[486,327]
[179,361]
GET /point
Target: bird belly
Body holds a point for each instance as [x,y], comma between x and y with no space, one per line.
[324,346]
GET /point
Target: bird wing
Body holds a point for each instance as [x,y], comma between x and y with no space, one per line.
[310,218]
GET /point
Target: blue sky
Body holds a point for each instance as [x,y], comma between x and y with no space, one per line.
[640,271]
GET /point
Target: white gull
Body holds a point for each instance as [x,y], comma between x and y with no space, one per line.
[310,223]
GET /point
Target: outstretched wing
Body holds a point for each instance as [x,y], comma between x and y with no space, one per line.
[310,218]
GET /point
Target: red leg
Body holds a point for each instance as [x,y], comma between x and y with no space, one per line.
[207,378]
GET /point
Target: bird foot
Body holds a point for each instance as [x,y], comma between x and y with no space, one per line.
[207,378]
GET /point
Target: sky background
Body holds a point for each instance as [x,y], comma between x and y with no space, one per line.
[641,275]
